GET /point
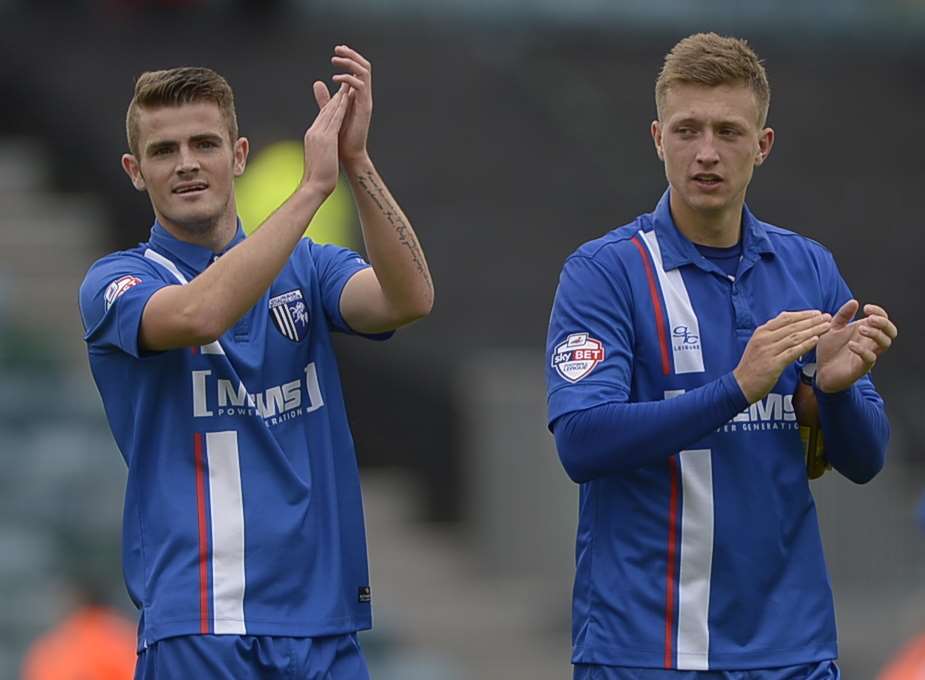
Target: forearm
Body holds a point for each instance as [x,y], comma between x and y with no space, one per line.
[856,431]
[212,302]
[391,244]
[617,437]
[234,283]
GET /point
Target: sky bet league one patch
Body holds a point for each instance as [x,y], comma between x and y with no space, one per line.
[118,287]
[577,356]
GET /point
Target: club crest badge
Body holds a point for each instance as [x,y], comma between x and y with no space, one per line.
[118,288]
[577,356]
[290,314]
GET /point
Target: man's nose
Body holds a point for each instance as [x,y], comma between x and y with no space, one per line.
[706,152]
[188,161]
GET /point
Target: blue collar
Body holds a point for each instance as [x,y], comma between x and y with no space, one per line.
[677,250]
[194,257]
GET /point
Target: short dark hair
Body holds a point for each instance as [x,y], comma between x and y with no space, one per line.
[177,86]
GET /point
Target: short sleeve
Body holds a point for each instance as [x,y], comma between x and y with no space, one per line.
[589,347]
[335,266]
[112,299]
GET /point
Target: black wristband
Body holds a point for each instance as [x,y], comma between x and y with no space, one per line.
[808,374]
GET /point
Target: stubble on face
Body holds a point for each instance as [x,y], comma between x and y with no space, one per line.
[188,165]
[203,226]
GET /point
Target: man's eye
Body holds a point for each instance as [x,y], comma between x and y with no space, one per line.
[207,144]
[161,151]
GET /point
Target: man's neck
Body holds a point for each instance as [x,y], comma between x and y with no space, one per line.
[719,229]
[214,237]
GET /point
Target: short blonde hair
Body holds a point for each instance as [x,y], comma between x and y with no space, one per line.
[177,86]
[711,59]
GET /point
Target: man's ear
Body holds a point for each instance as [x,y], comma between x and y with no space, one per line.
[656,130]
[765,142]
[241,148]
[133,169]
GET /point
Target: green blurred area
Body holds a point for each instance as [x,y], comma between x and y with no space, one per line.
[272,175]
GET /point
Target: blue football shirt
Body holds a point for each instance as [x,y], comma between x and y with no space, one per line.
[243,512]
[710,558]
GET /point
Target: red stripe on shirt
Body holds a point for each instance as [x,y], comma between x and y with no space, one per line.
[657,304]
[670,579]
[203,537]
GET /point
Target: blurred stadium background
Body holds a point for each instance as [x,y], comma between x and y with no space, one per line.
[511,131]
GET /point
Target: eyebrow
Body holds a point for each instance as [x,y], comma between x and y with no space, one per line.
[169,143]
[207,137]
[151,147]
[717,123]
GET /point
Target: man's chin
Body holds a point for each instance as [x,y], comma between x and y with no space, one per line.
[199,222]
[707,202]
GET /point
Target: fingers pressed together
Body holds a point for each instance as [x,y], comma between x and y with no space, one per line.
[878,330]
[358,68]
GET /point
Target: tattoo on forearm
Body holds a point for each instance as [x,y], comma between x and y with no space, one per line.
[405,235]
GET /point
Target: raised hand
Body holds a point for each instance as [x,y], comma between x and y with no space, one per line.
[357,76]
[321,139]
[850,348]
[774,346]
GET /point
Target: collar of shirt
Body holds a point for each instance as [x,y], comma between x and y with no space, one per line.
[194,257]
[677,250]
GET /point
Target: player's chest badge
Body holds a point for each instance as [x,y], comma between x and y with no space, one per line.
[290,314]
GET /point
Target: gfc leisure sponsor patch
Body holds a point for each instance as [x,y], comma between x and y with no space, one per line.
[575,358]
